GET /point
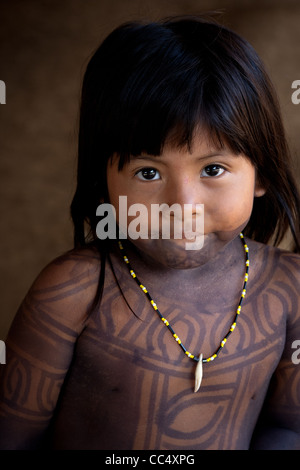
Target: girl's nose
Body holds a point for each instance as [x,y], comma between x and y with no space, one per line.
[184,190]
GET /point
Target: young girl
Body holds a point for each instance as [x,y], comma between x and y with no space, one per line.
[147,344]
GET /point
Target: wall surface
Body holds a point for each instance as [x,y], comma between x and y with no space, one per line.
[44,48]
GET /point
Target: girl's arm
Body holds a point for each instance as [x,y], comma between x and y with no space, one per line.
[279,424]
[40,348]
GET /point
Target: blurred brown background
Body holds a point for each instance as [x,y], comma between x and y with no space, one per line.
[44,48]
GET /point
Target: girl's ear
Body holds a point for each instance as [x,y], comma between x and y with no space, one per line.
[259,189]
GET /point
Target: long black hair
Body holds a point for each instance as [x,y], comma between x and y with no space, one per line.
[148,80]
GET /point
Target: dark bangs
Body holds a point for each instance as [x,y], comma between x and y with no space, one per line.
[148,83]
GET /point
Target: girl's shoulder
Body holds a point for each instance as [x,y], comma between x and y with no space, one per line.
[277,264]
[73,267]
[66,287]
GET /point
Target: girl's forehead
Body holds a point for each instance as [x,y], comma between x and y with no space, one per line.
[201,141]
[201,145]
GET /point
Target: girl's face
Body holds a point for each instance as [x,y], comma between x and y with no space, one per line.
[224,183]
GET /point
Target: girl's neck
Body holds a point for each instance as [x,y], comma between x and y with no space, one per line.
[224,270]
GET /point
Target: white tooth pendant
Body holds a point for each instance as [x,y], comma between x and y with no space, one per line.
[198,374]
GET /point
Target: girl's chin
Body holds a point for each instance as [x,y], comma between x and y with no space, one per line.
[184,253]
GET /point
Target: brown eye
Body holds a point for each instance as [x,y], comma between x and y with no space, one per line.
[148,174]
[211,171]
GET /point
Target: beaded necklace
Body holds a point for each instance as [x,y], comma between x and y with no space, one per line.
[200,360]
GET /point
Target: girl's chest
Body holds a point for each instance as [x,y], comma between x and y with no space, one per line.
[141,382]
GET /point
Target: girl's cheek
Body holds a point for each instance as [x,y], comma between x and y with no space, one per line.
[227,213]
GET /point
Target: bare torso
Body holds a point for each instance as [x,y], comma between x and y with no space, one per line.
[135,385]
[129,385]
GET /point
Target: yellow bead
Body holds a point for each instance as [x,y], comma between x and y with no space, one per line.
[189,355]
[143,288]
[177,339]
